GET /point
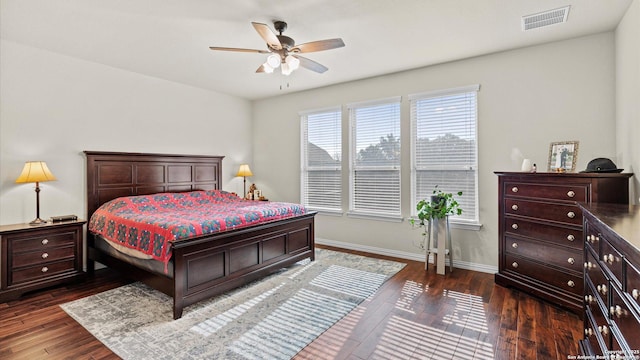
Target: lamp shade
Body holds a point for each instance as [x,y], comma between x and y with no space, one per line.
[244,170]
[35,171]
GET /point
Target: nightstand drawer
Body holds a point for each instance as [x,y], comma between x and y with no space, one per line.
[42,240]
[43,256]
[41,271]
[548,191]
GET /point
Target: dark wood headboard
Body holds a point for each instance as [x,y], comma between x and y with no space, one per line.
[115,174]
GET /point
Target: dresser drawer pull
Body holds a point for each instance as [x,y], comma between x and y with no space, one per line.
[514,189]
[570,237]
[588,332]
[515,265]
[617,311]
[570,283]
[44,269]
[571,194]
[589,299]
[609,258]
[589,265]
[602,289]
[603,329]
[514,226]
[45,241]
[592,238]
[571,261]
[571,214]
[514,245]
[45,255]
[635,293]
[514,207]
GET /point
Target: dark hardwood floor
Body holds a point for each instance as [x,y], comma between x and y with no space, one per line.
[415,315]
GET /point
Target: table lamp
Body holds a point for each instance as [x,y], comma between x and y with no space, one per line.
[36,172]
[244,171]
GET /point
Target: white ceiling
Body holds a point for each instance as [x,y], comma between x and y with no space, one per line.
[169,39]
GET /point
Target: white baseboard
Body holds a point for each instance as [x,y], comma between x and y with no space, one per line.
[406,255]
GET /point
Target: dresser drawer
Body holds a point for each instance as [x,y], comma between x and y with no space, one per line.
[599,280]
[41,240]
[612,259]
[560,213]
[559,279]
[592,334]
[547,191]
[633,286]
[625,319]
[566,258]
[42,256]
[567,236]
[41,271]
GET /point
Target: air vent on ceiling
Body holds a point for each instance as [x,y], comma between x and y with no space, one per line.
[545,18]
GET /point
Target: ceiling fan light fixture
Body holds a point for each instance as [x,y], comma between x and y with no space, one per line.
[273,60]
[286,69]
[293,62]
[267,68]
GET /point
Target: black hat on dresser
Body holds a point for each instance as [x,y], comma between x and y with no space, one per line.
[601,165]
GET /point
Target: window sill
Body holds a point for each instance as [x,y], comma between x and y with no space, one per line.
[336,213]
[464,225]
[369,216]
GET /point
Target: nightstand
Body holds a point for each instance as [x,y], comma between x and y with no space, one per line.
[36,257]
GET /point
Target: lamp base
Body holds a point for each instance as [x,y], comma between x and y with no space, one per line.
[37,222]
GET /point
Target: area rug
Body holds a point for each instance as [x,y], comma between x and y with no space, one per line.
[273,318]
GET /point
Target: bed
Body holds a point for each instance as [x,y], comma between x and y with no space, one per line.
[200,266]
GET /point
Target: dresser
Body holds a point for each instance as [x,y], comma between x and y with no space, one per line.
[36,257]
[612,281]
[540,230]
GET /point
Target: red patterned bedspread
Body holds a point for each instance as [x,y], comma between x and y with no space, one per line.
[150,223]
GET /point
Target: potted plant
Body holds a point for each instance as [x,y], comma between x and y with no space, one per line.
[440,205]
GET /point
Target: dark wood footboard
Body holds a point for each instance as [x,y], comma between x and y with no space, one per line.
[203,266]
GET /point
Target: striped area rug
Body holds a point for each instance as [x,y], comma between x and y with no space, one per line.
[273,318]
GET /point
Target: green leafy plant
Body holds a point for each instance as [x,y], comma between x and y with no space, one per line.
[438,206]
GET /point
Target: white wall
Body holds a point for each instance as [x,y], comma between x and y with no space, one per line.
[53,107]
[628,95]
[528,98]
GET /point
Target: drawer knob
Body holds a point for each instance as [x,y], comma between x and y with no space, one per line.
[589,299]
[635,293]
[44,269]
[592,238]
[617,310]
[571,214]
[602,289]
[589,265]
[45,255]
[609,258]
[514,226]
[588,332]
[570,283]
[514,207]
[45,241]
[571,261]
[515,265]
[603,329]
[571,194]
[514,189]
[514,245]
[571,237]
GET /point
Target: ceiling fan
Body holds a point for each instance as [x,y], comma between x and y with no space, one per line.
[284,51]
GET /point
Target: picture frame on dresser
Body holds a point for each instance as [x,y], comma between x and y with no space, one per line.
[563,156]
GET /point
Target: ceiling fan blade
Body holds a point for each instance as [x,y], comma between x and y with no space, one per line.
[239,50]
[267,35]
[319,45]
[260,69]
[311,65]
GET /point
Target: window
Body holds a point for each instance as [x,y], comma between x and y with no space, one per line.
[375,158]
[445,147]
[322,160]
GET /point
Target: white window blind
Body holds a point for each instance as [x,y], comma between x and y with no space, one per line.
[375,157]
[322,160]
[445,147]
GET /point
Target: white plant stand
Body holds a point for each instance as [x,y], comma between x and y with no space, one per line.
[435,228]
